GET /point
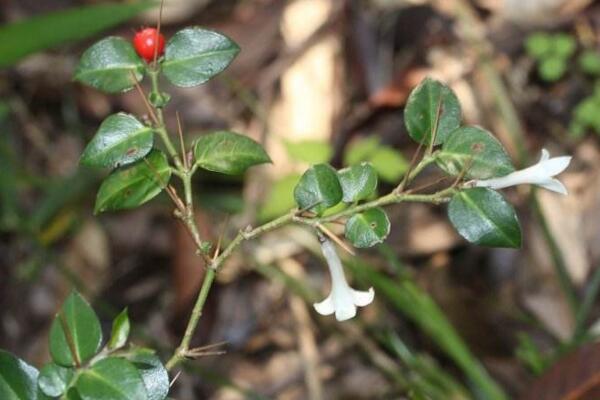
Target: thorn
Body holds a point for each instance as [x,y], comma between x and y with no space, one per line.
[180,132]
[218,247]
[160,12]
[175,378]
[411,166]
[144,99]
[336,239]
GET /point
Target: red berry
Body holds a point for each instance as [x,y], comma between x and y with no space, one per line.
[145,41]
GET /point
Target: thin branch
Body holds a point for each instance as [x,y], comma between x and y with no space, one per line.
[145,100]
[182,144]
[292,216]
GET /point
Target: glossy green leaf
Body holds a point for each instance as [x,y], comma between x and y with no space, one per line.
[367,228]
[358,182]
[194,55]
[280,198]
[73,394]
[310,151]
[389,164]
[54,379]
[478,151]
[319,188]
[134,185]
[111,379]
[110,65]
[83,336]
[48,30]
[432,110]
[228,152]
[18,380]
[152,371]
[120,331]
[483,217]
[121,140]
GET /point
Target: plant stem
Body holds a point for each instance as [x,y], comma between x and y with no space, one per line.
[183,348]
[185,173]
[292,216]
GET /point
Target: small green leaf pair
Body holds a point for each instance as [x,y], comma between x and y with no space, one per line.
[551,52]
[481,216]
[322,187]
[80,369]
[192,57]
[123,141]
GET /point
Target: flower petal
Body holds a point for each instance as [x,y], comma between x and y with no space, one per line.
[361,298]
[545,155]
[325,307]
[556,165]
[346,312]
[554,185]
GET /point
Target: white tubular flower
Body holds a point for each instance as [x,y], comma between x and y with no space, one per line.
[342,300]
[540,174]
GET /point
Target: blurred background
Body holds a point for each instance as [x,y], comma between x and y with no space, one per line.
[316,81]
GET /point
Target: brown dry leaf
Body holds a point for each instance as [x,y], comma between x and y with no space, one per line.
[574,377]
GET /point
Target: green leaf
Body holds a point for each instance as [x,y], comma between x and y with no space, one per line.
[538,45]
[389,164]
[483,217]
[194,55]
[309,151]
[361,150]
[552,68]
[589,62]
[476,149]
[135,184]
[18,380]
[111,378]
[358,182]
[152,371]
[84,334]
[367,228]
[54,379]
[73,394]
[318,189]
[110,65]
[20,39]
[121,140]
[228,152]
[120,331]
[563,45]
[432,110]
[280,198]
